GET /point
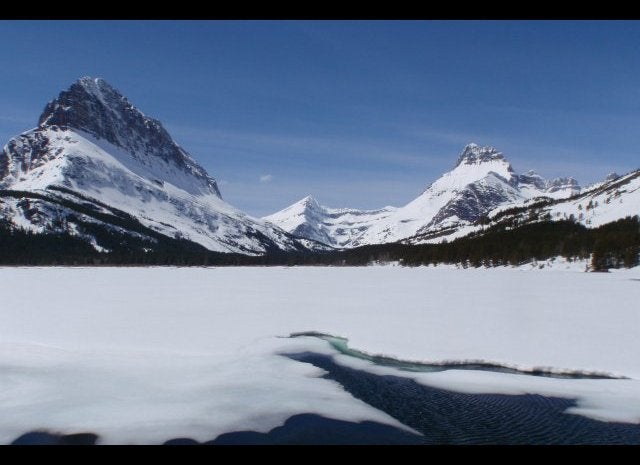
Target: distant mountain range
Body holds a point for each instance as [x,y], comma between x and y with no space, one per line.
[98,170]
[481,181]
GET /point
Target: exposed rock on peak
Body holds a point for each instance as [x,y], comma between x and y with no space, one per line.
[473,154]
[568,184]
[93,106]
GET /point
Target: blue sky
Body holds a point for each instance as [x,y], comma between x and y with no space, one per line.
[356,113]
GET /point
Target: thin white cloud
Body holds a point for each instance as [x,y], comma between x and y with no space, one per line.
[291,146]
[266,178]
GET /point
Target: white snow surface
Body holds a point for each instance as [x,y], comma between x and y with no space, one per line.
[141,355]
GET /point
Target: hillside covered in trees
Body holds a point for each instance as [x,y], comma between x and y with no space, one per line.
[613,245]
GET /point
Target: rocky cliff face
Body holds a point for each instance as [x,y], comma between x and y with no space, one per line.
[93,106]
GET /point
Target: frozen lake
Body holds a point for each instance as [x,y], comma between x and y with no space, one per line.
[142,355]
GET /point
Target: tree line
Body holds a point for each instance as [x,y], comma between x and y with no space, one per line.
[613,245]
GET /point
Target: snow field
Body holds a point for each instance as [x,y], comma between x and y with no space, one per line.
[141,355]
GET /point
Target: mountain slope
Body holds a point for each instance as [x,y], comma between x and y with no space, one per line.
[91,143]
[616,198]
[481,181]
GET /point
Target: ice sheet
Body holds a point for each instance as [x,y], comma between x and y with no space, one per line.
[145,354]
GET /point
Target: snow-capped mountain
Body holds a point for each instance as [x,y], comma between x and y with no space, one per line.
[614,198]
[95,154]
[333,226]
[481,181]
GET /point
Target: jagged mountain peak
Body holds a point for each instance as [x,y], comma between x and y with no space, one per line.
[93,106]
[309,202]
[531,179]
[98,87]
[91,83]
[474,163]
[305,207]
[474,154]
[564,183]
[85,99]
[611,176]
